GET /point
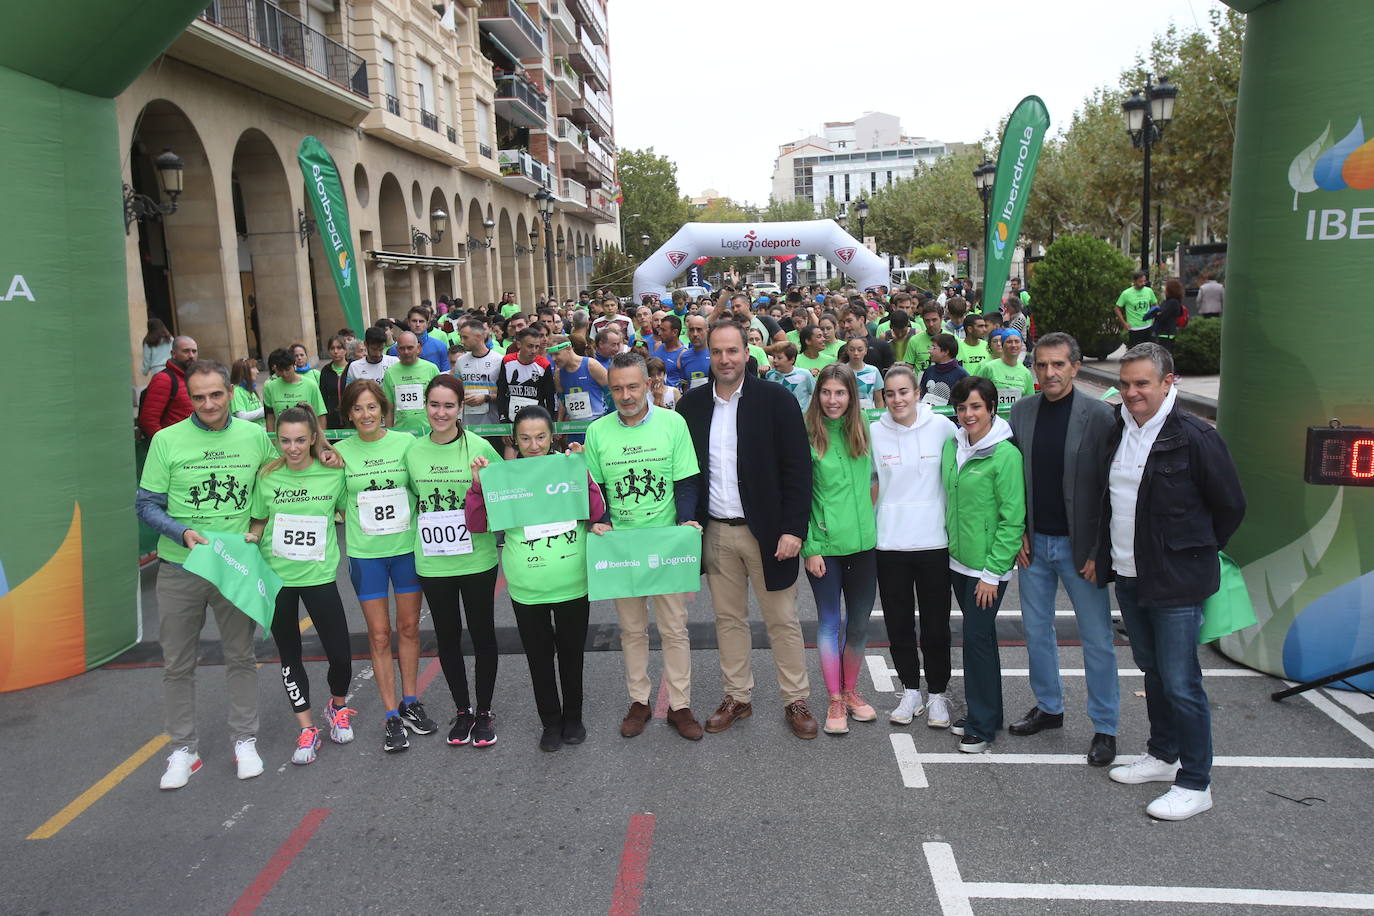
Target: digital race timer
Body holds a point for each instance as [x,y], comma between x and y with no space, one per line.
[1341,456]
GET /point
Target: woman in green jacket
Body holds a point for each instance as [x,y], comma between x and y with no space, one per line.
[840,541]
[985,515]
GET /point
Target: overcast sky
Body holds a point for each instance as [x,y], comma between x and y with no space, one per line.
[718,85]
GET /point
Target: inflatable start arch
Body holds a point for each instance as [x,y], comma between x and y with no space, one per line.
[733,240]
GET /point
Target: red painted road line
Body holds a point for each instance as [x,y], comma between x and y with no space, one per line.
[276,866]
[661,704]
[427,676]
[501,583]
[634,862]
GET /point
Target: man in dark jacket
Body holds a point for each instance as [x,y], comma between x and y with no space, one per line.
[1173,500]
[1063,437]
[165,401]
[753,453]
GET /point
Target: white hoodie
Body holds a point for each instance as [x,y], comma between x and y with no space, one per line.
[911,498]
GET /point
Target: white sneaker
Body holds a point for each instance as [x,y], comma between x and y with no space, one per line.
[246,756]
[912,705]
[1179,804]
[180,766]
[937,712]
[340,722]
[1144,769]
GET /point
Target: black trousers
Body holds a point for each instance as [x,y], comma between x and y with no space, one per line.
[326,612]
[450,597]
[546,631]
[1144,335]
[906,578]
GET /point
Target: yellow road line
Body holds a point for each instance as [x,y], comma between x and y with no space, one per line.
[97,791]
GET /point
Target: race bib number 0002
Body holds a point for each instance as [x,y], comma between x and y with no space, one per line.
[444,534]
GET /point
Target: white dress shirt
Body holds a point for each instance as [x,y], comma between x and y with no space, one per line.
[723,456]
[1123,480]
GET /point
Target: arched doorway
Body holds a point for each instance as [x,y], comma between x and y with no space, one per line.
[183,265]
[445,279]
[400,286]
[479,261]
[505,253]
[274,302]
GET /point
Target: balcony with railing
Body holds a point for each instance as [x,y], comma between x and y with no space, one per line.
[602,207]
[393,104]
[512,26]
[452,134]
[523,172]
[591,61]
[429,119]
[271,28]
[570,195]
[562,20]
[592,17]
[593,112]
[571,140]
[519,101]
[564,78]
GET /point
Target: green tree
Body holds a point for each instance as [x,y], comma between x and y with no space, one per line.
[653,203]
[930,256]
[1074,287]
[788,211]
[614,269]
[937,205]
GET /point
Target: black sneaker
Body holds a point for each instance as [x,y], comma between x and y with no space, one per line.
[413,715]
[957,728]
[552,738]
[574,732]
[396,739]
[484,730]
[461,732]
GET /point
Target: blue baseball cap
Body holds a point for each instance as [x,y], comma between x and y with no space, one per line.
[764,300]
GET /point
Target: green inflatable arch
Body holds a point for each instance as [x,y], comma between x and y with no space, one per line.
[1297,319]
[68,576]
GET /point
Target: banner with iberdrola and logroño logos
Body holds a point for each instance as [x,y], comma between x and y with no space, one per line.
[638,562]
[326,195]
[1016,160]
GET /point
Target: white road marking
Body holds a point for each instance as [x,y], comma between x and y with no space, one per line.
[1357,703]
[1326,763]
[908,761]
[1339,716]
[881,674]
[1004,612]
[954,893]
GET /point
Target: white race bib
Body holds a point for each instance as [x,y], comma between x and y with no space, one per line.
[518,404]
[384,511]
[578,403]
[477,410]
[698,382]
[866,403]
[444,534]
[299,537]
[548,530]
[1008,395]
[410,397]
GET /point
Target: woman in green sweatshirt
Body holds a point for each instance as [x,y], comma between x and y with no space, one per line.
[840,540]
[985,515]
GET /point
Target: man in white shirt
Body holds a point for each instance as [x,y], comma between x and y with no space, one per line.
[478,367]
[374,365]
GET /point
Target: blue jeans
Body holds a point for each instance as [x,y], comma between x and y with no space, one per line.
[841,645]
[1164,644]
[982,661]
[1052,563]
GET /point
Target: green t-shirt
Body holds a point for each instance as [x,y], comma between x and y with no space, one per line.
[760,357]
[1135,303]
[882,327]
[278,395]
[546,570]
[822,360]
[637,466]
[439,477]
[918,351]
[974,355]
[1013,382]
[247,400]
[299,542]
[379,469]
[509,309]
[405,388]
[208,476]
[795,337]
[901,346]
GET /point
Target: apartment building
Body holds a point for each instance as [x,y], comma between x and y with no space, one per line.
[849,160]
[445,119]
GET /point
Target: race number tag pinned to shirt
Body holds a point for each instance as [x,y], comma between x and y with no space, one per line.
[444,534]
[552,529]
[384,511]
[517,404]
[579,404]
[698,380]
[299,537]
[1008,396]
[410,397]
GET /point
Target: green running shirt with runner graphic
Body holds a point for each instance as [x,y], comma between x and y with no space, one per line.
[636,466]
[278,395]
[370,467]
[299,542]
[405,388]
[208,476]
[1013,382]
[439,477]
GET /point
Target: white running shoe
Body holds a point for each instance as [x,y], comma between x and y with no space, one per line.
[937,711]
[307,746]
[180,766]
[1144,769]
[340,722]
[246,756]
[1179,804]
[912,705]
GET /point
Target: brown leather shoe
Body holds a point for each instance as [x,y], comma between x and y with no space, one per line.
[798,716]
[686,724]
[727,713]
[635,720]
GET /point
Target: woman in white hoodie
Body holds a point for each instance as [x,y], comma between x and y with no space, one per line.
[913,548]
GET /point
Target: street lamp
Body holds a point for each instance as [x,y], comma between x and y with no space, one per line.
[842,219]
[983,178]
[644,240]
[474,242]
[170,172]
[438,221]
[544,200]
[862,209]
[622,227]
[1146,117]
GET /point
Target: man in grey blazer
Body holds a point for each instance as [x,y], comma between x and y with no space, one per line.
[1063,435]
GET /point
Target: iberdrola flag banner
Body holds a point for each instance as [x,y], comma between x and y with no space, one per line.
[1020,150]
[326,195]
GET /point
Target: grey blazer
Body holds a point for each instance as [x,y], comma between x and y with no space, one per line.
[1085,465]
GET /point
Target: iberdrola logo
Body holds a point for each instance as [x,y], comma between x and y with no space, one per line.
[999,238]
[345,269]
[1324,166]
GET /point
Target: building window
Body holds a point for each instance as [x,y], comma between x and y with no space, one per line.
[424,92]
[872,181]
[831,179]
[483,116]
[889,176]
[390,90]
[846,188]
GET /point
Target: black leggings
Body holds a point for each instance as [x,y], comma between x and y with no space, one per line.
[547,630]
[327,614]
[927,572]
[448,596]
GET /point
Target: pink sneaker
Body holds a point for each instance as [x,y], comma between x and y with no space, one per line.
[836,718]
[858,708]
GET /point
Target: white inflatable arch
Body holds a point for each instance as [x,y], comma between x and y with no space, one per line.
[731,240]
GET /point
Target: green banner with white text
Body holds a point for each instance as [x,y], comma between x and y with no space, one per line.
[240,572]
[638,562]
[326,195]
[1016,159]
[535,491]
